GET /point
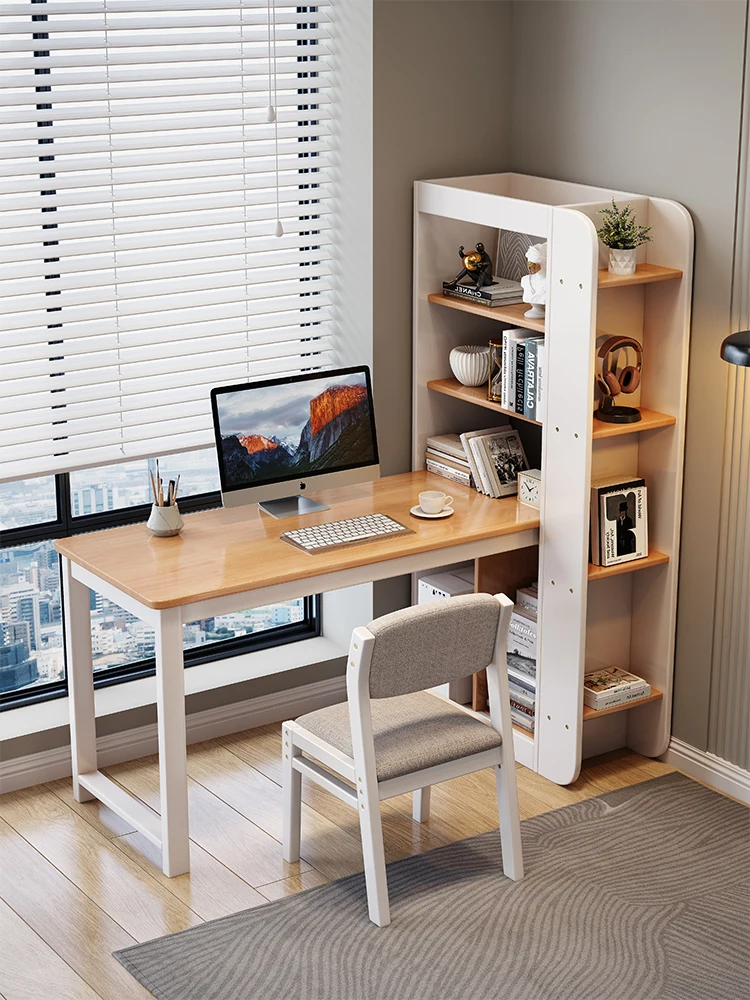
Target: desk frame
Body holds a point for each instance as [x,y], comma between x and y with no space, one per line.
[170,830]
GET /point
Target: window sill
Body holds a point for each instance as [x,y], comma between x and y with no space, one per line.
[202,677]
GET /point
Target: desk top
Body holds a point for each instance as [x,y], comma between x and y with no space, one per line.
[230,551]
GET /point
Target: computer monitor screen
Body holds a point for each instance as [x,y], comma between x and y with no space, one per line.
[289,429]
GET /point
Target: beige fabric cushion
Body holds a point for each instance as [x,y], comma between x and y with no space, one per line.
[411,732]
[431,644]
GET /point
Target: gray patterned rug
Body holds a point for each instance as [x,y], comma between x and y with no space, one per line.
[640,894]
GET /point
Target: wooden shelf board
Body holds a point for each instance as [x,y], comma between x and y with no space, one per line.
[474,394]
[652,559]
[650,420]
[513,314]
[645,274]
[592,713]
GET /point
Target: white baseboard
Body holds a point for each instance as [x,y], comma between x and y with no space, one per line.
[711,770]
[33,769]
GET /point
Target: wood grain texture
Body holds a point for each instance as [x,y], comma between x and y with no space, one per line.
[512,314]
[122,889]
[653,558]
[645,274]
[30,969]
[220,830]
[231,551]
[592,713]
[65,937]
[70,923]
[474,394]
[650,420]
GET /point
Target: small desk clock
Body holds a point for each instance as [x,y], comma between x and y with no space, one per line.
[530,487]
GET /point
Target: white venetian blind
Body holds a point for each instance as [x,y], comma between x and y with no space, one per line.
[141,186]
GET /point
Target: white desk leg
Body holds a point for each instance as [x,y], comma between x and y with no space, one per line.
[80,669]
[170,705]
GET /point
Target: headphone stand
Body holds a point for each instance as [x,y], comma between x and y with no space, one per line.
[611,414]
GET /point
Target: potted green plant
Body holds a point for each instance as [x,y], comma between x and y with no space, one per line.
[622,234]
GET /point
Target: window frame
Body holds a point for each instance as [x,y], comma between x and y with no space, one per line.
[66,525]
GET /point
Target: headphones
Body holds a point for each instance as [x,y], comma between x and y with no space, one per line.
[610,384]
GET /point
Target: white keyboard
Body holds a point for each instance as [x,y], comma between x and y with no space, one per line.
[337,534]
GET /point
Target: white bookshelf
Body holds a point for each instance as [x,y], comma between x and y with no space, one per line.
[589,616]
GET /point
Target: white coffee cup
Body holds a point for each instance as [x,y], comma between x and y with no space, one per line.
[432,501]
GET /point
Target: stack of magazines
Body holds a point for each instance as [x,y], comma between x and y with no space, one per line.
[522,658]
[613,686]
[445,456]
[502,292]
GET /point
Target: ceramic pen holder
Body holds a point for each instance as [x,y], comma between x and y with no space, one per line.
[165,521]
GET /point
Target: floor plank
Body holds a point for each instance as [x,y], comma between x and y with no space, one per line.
[30,969]
[294,884]
[325,846]
[95,813]
[220,830]
[137,902]
[65,919]
[210,889]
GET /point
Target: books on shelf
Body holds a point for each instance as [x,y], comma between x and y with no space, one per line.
[523,372]
[619,521]
[495,456]
[613,686]
[522,648]
[445,456]
[502,292]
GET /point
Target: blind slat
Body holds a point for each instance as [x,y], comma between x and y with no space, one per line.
[142,184]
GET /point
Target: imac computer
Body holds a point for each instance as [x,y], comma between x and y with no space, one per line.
[278,437]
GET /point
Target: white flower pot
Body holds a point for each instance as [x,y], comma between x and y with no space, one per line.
[470,364]
[621,261]
[165,521]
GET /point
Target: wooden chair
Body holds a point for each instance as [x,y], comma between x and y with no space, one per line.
[391,736]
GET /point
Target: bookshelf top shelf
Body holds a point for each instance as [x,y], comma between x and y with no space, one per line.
[650,420]
[653,558]
[645,274]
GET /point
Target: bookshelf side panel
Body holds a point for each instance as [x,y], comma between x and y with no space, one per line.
[566,464]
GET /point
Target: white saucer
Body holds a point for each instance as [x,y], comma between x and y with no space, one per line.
[418,512]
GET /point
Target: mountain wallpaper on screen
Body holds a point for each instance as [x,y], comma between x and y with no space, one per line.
[337,434]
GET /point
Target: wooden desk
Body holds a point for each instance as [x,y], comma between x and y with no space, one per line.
[229,560]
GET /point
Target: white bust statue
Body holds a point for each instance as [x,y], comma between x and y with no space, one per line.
[535,282]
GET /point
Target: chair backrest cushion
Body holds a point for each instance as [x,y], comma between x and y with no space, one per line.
[432,644]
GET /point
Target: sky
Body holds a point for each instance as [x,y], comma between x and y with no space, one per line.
[275,411]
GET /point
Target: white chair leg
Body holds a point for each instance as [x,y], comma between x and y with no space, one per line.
[420,804]
[292,798]
[374,857]
[510,822]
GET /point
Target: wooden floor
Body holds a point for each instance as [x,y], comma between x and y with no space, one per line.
[76,883]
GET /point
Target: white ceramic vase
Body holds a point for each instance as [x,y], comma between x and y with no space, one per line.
[621,261]
[165,521]
[471,364]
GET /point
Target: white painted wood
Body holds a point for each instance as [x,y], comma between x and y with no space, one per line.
[324,752]
[170,707]
[440,772]
[145,614]
[142,817]
[291,795]
[505,771]
[640,633]
[308,768]
[80,667]
[566,461]
[711,770]
[421,804]
[366,778]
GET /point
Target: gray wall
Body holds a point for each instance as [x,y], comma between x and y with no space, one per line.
[664,121]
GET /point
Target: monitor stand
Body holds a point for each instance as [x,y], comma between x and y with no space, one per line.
[292,506]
